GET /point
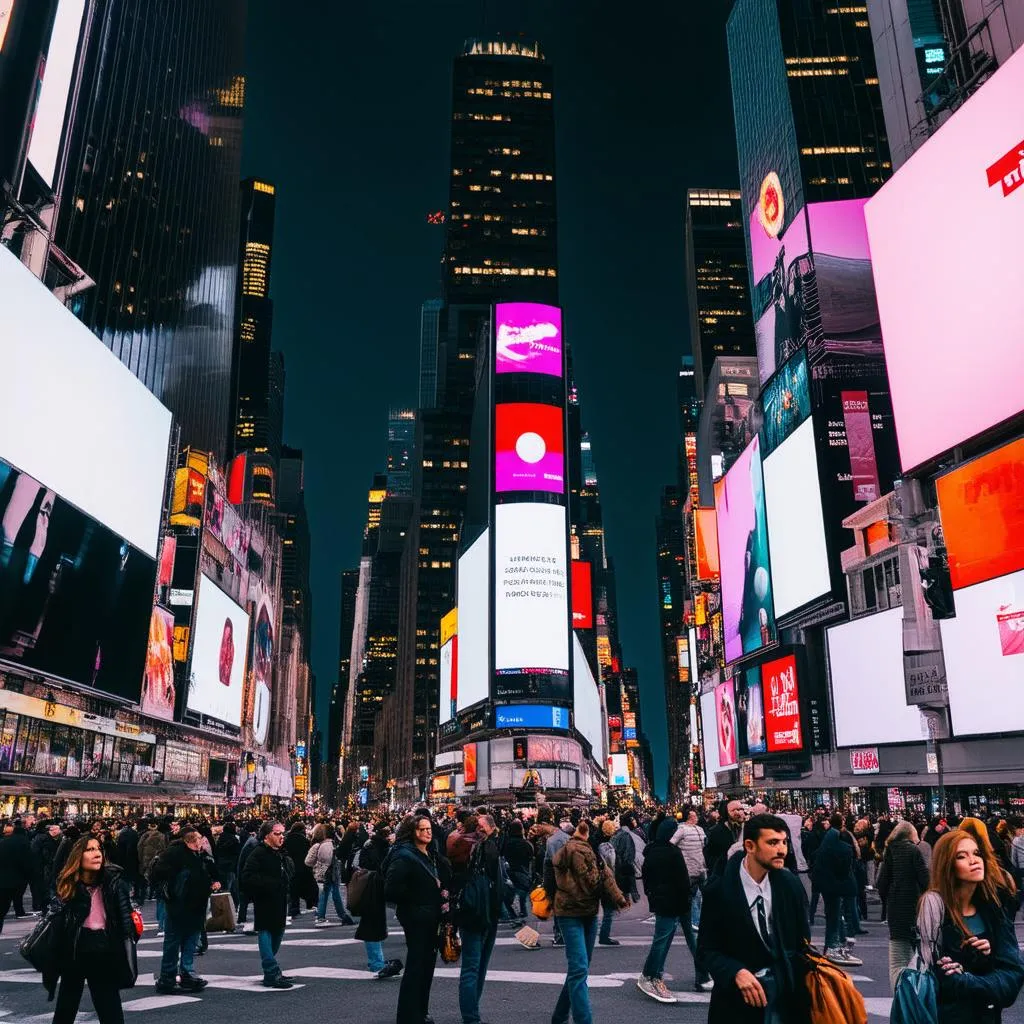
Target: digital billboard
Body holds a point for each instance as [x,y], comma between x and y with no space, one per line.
[76,599]
[448,701]
[787,402]
[866,670]
[709,736]
[706,532]
[529,448]
[530,716]
[261,662]
[951,302]
[582,596]
[112,466]
[528,338]
[982,509]
[747,603]
[217,669]
[750,712]
[474,622]
[683,659]
[618,770]
[796,523]
[725,724]
[984,654]
[782,705]
[469,764]
[531,611]
[159,694]
[586,703]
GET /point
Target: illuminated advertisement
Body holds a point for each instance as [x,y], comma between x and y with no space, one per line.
[168,549]
[158,690]
[227,526]
[471,663]
[931,308]
[782,705]
[787,402]
[984,656]
[529,448]
[725,723]
[796,523]
[683,659]
[708,738]
[747,606]
[982,509]
[530,716]
[448,704]
[114,471]
[582,596]
[706,532]
[618,770]
[528,338]
[750,712]
[261,663]
[586,703]
[469,764]
[75,598]
[860,443]
[6,7]
[531,611]
[217,668]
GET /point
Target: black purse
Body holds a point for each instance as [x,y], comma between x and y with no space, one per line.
[41,947]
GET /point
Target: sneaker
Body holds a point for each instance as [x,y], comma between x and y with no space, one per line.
[646,986]
[390,970]
[842,957]
[192,983]
[558,943]
[279,982]
[321,923]
[704,986]
[166,986]
[608,942]
[287,920]
[348,920]
[160,935]
[849,941]
[247,929]
[662,994]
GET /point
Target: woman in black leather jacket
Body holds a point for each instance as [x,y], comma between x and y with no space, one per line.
[98,937]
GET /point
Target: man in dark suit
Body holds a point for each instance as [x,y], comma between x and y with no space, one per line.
[753,923]
[723,835]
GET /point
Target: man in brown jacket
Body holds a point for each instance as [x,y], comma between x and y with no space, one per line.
[582,882]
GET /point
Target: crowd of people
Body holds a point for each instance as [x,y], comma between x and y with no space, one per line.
[742,884]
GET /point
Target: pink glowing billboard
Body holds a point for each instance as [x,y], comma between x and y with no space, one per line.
[945,245]
[528,338]
[529,448]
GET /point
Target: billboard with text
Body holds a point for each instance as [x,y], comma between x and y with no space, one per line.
[528,338]
[529,448]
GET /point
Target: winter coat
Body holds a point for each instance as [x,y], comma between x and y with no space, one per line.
[128,852]
[296,846]
[555,842]
[413,883]
[44,849]
[15,860]
[690,839]
[625,862]
[582,881]
[716,852]
[666,879]
[373,922]
[832,870]
[265,879]
[152,843]
[519,855]
[225,854]
[322,861]
[187,878]
[1017,859]
[901,881]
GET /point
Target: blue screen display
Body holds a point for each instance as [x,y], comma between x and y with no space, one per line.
[535,716]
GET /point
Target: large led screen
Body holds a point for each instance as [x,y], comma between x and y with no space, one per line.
[528,338]
[787,402]
[75,598]
[529,448]
[219,642]
[531,610]
[726,724]
[261,663]
[586,703]
[74,417]
[982,509]
[945,243]
[706,533]
[159,694]
[618,770]
[474,622]
[750,712]
[709,737]
[796,523]
[984,654]
[868,691]
[782,705]
[582,596]
[530,716]
[747,603]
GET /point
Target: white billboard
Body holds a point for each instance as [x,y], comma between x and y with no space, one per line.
[586,701]
[868,686]
[618,770]
[709,738]
[531,592]
[796,524]
[474,623]
[220,639]
[448,676]
[984,653]
[74,417]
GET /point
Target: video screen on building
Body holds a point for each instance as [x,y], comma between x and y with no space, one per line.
[112,464]
[220,639]
[783,729]
[528,338]
[586,703]
[748,608]
[982,509]
[474,622]
[531,609]
[709,736]
[530,716]
[256,717]
[76,599]
[787,402]
[582,596]
[945,242]
[618,770]
[706,532]
[469,764]
[448,700]
[159,693]
[726,724]
[750,712]
[983,649]
[529,448]
[796,522]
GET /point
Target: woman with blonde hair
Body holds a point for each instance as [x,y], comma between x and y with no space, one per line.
[98,935]
[901,880]
[999,884]
[965,936]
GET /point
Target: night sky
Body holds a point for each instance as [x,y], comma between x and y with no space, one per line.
[347,113]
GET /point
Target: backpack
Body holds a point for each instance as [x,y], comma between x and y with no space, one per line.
[915,1000]
[832,997]
[475,898]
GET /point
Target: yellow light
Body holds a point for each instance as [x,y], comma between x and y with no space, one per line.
[262,186]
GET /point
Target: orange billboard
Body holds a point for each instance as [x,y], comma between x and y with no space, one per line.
[706,531]
[982,509]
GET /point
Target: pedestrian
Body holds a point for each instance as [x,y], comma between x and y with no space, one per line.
[999,878]
[187,879]
[416,881]
[723,835]
[226,849]
[690,838]
[519,856]
[582,881]
[556,840]
[606,852]
[15,869]
[265,880]
[152,843]
[44,847]
[304,887]
[965,936]
[832,874]
[250,844]
[901,880]
[128,855]
[373,921]
[97,935]
[753,923]
[322,859]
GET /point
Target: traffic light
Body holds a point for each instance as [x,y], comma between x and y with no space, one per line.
[519,749]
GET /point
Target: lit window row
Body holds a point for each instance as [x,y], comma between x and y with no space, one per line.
[529,231]
[464,116]
[818,73]
[504,151]
[485,188]
[840,59]
[508,272]
[833,150]
[516,176]
[525,84]
[529,94]
[846,10]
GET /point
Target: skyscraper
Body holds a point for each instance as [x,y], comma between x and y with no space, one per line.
[716,279]
[501,232]
[150,202]
[336,712]
[430,317]
[401,450]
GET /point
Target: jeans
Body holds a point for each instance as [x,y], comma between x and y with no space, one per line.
[106,1000]
[477,947]
[243,907]
[421,957]
[161,915]
[580,934]
[851,915]
[833,921]
[269,943]
[696,902]
[664,933]
[375,957]
[178,942]
[605,933]
[330,891]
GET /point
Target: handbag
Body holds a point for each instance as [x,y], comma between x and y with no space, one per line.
[450,946]
[357,890]
[41,947]
[833,998]
[137,922]
[540,904]
[475,898]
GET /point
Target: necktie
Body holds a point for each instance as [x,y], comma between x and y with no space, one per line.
[762,922]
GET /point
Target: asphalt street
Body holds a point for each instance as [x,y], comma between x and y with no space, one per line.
[330,970]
